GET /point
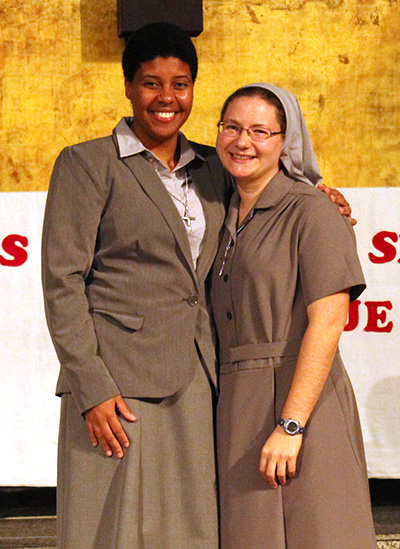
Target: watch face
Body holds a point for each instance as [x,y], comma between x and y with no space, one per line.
[292,426]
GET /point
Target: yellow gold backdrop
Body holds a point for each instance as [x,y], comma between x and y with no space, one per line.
[61,80]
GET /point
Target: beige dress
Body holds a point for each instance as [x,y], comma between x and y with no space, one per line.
[293,249]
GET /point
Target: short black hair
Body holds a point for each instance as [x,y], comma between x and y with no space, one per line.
[158,40]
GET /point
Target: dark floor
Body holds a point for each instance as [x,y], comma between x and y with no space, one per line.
[27,515]
[39,532]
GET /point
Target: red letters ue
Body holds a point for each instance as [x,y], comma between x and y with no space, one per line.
[376,316]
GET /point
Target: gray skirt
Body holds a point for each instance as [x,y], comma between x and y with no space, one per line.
[327,505]
[162,494]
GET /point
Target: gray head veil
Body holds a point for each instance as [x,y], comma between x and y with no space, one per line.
[297,156]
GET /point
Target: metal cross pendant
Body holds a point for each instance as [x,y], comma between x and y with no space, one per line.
[186,218]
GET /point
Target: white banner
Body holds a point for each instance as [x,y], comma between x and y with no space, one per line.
[371,347]
[29,410]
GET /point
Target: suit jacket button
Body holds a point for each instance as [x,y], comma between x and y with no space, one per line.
[192,300]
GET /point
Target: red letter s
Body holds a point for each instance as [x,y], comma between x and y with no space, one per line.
[388,250]
[10,247]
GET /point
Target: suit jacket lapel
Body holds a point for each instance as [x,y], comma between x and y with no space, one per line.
[155,190]
[214,213]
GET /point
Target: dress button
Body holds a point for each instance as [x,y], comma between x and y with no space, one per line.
[226,277]
[192,300]
[229,315]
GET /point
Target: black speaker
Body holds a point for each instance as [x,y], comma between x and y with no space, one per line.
[133,14]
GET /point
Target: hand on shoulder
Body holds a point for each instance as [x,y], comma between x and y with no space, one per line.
[337,197]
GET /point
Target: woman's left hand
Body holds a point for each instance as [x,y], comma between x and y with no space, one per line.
[279,457]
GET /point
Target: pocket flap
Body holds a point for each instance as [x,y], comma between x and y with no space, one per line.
[132,322]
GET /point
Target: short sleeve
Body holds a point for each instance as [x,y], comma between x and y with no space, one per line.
[328,259]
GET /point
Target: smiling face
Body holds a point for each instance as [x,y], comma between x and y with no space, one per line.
[161,94]
[251,162]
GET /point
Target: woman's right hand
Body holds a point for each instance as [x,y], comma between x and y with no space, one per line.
[105,428]
[279,457]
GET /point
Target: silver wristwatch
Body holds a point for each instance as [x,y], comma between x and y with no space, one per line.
[291,426]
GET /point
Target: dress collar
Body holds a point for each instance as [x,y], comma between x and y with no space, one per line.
[277,188]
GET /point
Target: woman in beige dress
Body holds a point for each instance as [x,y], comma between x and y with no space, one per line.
[290,453]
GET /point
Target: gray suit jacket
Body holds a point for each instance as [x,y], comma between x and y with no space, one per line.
[126,310]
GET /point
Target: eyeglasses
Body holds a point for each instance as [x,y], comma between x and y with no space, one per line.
[255,132]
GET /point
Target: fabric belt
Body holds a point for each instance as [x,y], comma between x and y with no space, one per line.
[259,350]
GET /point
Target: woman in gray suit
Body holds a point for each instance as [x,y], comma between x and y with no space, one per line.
[130,233]
[126,250]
